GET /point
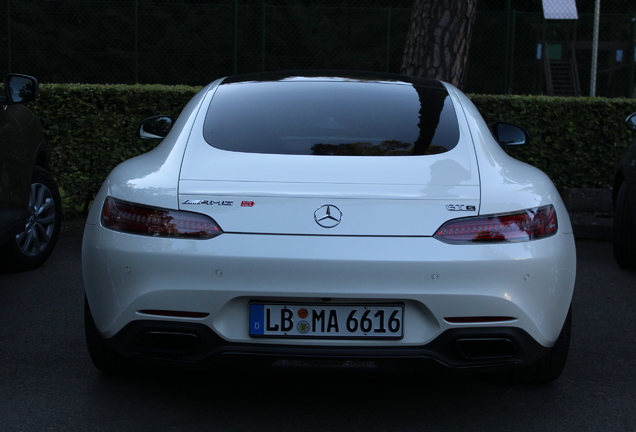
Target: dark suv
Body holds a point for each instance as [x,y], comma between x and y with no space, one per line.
[30,206]
[624,230]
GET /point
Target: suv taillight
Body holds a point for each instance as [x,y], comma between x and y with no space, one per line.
[151,221]
[531,224]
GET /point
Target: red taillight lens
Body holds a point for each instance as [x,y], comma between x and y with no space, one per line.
[144,220]
[525,225]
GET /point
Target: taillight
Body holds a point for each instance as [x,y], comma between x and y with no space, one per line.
[151,221]
[531,224]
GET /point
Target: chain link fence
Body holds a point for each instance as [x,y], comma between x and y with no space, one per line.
[514,49]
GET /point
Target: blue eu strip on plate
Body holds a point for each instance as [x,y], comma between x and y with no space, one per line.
[257,319]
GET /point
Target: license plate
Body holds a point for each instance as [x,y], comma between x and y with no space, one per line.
[321,321]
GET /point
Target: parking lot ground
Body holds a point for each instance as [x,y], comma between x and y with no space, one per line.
[48,383]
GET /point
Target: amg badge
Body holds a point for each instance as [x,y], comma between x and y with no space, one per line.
[208,202]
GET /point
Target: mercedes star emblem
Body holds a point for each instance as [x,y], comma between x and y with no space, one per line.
[328,216]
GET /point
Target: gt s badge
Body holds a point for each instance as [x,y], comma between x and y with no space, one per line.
[460,207]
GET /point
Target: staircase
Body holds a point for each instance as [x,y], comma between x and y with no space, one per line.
[562,77]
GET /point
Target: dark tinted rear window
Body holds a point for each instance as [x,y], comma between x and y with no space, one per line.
[345,118]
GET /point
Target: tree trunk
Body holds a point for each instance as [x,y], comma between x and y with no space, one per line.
[438,40]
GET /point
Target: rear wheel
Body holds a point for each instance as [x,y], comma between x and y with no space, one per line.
[550,367]
[32,247]
[624,230]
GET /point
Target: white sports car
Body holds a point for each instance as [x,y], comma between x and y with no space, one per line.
[341,219]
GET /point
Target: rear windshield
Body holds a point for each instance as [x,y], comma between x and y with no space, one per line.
[331,119]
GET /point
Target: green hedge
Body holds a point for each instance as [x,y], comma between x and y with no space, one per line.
[576,141]
[92,128]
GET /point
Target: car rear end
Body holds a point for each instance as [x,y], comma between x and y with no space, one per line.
[332,220]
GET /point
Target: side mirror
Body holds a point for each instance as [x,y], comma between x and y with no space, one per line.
[156,127]
[630,122]
[20,88]
[510,134]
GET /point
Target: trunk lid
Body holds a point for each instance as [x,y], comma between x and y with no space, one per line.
[315,195]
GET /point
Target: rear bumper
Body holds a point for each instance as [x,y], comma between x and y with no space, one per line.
[530,282]
[194,345]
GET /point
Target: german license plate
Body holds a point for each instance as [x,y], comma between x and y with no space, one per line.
[322,321]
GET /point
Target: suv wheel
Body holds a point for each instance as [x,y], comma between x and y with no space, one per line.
[33,246]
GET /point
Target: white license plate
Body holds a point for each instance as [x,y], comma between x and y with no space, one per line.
[322,321]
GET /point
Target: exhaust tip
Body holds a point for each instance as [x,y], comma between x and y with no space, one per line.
[167,343]
[486,348]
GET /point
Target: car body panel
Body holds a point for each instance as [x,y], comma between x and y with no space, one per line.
[383,251]
[531,282]
[624,204]
[626,172]
[21,143]
[508,183]
[414,186]
[249,212]
[152,178]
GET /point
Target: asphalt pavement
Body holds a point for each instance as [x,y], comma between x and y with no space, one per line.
[48,383]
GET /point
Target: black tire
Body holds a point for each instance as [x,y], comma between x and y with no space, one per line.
[624,230]
[103,357]
[33,246]
[548,368]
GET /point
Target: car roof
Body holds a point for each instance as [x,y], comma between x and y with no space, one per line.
[333,76]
